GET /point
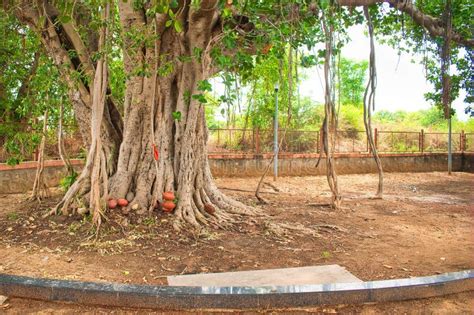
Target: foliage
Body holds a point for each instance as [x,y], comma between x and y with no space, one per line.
[67,181]
[401,32]
[429,119]
[352,78]
[29,84]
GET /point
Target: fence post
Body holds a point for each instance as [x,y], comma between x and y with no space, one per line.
[257,140]
[462,141]
[317,141]
[321,140]
[376,138]
[422,141]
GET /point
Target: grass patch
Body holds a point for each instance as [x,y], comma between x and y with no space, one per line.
[13,216]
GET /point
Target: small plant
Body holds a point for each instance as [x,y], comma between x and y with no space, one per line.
[12,216]
[149,221]
[326,254]
[67,181]
[74,227]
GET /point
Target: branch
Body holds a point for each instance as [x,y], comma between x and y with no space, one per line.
[434,26]
[70,30]
[25,85]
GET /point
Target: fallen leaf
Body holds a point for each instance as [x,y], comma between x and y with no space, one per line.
[3,299]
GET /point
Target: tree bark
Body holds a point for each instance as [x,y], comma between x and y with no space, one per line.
[369,104]
[40,190]
[150,101]
[61,149]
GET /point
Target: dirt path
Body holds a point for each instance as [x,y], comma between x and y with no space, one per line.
[423,226]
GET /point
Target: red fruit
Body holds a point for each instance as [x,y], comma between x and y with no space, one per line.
[168,206]
[209,208]
[122,202]
[112,204]
[168,195]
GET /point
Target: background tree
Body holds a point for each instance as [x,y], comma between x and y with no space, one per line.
[351,81]
[29,85]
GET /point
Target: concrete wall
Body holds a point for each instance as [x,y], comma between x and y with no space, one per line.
[20,178]
[299,165]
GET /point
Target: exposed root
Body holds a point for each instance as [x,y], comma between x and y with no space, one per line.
[246,190]
[330,227]
[286,232]
[261,200]
[318,204]
[209,207]
[275,188]
[76,191]
[376,197]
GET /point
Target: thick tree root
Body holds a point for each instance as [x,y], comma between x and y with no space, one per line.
[210,207]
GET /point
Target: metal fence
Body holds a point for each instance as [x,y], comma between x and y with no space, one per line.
[254,141]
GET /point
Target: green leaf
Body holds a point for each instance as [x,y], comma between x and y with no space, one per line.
[13,161]
[174,4]
[226,13]
[197,53]
[324,4]
[204,85]
[177,26]
[200,98]
[41,20]
[187,97]
[176,116]
[168,23]
[64,19]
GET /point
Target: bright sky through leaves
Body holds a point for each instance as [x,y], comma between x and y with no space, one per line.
[401,83]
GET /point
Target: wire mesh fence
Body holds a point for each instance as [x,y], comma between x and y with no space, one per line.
[256,141]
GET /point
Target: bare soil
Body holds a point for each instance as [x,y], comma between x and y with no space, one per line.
[423,226]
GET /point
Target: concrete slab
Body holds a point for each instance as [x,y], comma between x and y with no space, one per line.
[268,277]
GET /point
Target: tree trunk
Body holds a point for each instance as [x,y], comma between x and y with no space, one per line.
[150,101]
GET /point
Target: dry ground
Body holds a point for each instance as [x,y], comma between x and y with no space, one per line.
[423,226]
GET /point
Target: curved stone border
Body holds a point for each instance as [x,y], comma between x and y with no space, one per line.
[182,298]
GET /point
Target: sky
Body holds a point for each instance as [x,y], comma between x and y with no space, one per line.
[400,83]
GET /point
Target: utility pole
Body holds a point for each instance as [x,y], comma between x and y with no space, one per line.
[450,153]
[275,136]
[446,79]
